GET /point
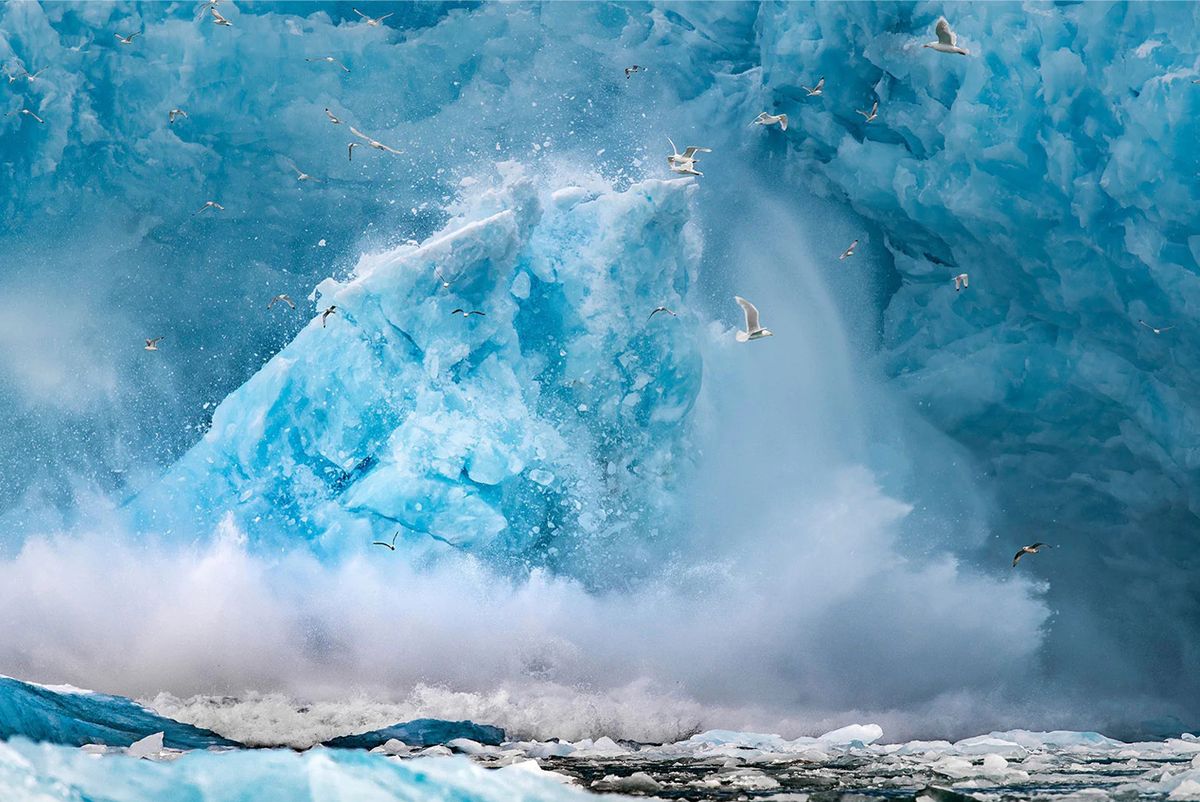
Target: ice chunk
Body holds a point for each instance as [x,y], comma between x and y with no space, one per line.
[354,427]
[422,732]
[864,733]
[149,746]
[74,717]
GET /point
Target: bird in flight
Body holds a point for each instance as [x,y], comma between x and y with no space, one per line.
[631,70]
[371,21]
[961,282]
[771,119]
[330,311]
[218,18]
[28,76]
[350,150]
[391,545]
[27,113]
[127,40]
[467,314]
[445,282]
[329,60]
[174,114]
[874,112]
[815,91]
[301,175]
[947,40]
[1155,330]
[1033,548]
[332,119]
[685,162]
[849,251]
[152,343]
[753,331]
[210,205]
[658,309]
[372,142]
[287,299]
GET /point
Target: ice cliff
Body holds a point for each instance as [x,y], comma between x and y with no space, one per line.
[1057,165]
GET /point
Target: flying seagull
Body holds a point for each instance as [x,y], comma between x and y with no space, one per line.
[28,113]
[753,330]
[174,114]
[771,119]
[287,299]
[216,15]
[372,21]
[391,545]
[127,40]
[961,282]
[849,251]
[1153,329]
[658,309]
[685,162]
[26,74]
[330,311]
[947,40]
[332,119]
[467,314]
[350,150]
[815,91]
[445,283]
[631,70]
[152,343]
[210,205]
[372,142]
[301,175]
[874,112]
[329,60]
[1031,549]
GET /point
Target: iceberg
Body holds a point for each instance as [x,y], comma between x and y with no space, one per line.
[422,732]
[393,415]
[74,717]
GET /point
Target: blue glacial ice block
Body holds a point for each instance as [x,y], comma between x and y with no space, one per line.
[41,772]
[557,415]
[73,717]
[422,732]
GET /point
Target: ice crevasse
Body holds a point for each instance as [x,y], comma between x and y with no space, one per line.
[395,413]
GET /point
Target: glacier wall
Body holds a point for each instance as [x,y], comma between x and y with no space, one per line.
[1054,165]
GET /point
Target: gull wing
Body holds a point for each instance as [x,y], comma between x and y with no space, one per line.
[944,34]
[692,150]
[751,312]
[820,83]
[783,122]
[361,135]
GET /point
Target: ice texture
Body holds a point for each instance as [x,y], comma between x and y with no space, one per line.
[395,415]
[38,773]
[422,732]
[73,717]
